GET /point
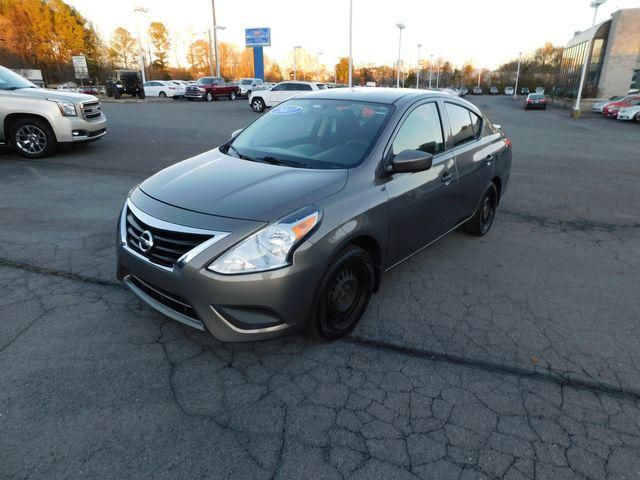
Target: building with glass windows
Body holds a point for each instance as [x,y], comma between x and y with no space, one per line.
[614,58]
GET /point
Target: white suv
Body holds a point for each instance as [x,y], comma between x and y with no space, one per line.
[279,93]
[249,85]
[35,120]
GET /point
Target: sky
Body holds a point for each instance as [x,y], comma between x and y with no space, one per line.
[487,33]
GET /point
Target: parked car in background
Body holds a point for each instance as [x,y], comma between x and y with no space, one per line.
[524,91]
[36,120]
[282,91]
[629,113]
[68,87]
[464,91]
[211,88]
[535,101]
[181,88]
[610,110]
[89,90]
[286,227]
[598,106]
[160,88]
[494,91]
[509,91]
[248,85]
[477,90]
[540,90]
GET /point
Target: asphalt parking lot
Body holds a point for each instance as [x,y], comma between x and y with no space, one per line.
[512,356]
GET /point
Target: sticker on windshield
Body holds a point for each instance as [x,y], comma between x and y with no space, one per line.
[287,110]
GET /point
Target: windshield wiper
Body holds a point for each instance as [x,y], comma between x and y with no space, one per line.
[279,161]
[241,156]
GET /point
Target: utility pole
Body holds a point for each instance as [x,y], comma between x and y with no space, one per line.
[210,53]
[515,92]
[430,68]
[418,74]
[350,43]
[438,74]
[138,11]
[215,36]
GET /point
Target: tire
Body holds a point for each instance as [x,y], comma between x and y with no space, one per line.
[637,117]
[482,220]
[209,97]
[162,95]
[141,94]
[232,96]
[32,138]
[257,105]
[248,93]
[343,295]
[116,93]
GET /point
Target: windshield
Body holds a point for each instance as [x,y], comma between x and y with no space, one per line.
[10,80]
[312,133]
[245,81]
[205,80]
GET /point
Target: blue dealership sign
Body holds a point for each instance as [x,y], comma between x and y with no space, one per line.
[257,37]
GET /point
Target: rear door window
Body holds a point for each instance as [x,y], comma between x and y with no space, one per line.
[461,124]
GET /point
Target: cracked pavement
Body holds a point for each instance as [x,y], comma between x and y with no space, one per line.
[512,356]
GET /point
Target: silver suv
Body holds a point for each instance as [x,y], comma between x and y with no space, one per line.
[35,120]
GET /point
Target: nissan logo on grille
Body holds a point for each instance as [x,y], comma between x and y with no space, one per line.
[145,242]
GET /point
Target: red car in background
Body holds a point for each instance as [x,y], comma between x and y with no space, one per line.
[611,110]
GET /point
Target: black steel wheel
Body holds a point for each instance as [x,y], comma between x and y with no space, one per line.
[32,138]
[482,220]
[343,296]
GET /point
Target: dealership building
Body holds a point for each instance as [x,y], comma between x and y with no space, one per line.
[614,59]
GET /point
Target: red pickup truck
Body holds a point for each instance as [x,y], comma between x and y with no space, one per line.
[211,88]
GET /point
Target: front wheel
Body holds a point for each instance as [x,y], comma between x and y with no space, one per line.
[162,95]
[33,138]
[257,104]
[343,296]
[482,220]
[232,96]
[637,117]
[209,97]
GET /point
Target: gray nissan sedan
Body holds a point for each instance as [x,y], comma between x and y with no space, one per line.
[291,223]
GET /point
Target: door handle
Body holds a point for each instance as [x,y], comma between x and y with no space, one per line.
[446,178]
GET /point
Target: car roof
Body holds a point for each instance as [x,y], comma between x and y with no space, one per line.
[380,95]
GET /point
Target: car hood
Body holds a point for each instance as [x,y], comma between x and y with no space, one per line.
[218,184]
[46,93]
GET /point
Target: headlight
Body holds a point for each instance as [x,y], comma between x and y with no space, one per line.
[67,109]
[269,248]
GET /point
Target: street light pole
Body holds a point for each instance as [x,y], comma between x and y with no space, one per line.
[438,74]
[430,68]
[210,53]
[515,92]
[418,74]
[350,43]
[479,76]
[295,67]
[137,11]
[401,27]
[215,36]
[576,109]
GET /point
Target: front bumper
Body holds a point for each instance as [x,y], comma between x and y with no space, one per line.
[78,129]
[198,95]
[625,116]
[232,308]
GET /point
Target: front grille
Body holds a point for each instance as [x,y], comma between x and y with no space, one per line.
[91,110]
[168,246]
[174,302]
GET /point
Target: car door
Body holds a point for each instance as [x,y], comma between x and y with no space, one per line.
[475,144]
[420,208]
[277,94]
[151,89]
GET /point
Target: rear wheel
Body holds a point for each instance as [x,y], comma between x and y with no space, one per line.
[257,104]
[162,95]
[482,220]
[141,94]
[343,296]
[33,138]
[116,93]
[232,95]
[637,117]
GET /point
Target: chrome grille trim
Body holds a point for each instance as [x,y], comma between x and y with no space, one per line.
[91,109]
[147,219]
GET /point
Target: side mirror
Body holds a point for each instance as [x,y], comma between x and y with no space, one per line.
[235,133]
[412,161]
